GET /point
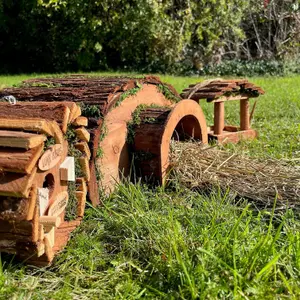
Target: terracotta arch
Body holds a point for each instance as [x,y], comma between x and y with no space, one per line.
[154,134]
[191,115]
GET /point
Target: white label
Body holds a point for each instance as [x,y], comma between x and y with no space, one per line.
[68,169]
[43,198]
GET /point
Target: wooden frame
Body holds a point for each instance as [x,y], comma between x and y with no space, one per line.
[233,134]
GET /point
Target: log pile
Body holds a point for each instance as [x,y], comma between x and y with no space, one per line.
[35,173]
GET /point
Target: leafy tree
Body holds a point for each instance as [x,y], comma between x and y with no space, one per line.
[272,29]
[215,28]
[148,35]
[118,33]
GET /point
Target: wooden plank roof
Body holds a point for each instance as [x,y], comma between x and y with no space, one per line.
[216,88]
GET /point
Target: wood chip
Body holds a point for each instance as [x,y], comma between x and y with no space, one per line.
[83,134]
[54,111]
[81,198]
[84,163]
[83,147]
[50,221]
[81,184]
[32,203]
[80,121]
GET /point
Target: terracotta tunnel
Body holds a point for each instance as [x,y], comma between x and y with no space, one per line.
[158,127]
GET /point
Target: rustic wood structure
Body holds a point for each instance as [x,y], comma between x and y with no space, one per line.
[76,129]
[157,127]
[107,103]
[33,191]
[220,91]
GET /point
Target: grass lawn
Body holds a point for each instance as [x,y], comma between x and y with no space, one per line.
[173,243]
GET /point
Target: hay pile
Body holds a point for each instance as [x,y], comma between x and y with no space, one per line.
[263,181]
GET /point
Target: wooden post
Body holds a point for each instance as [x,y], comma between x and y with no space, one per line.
[244,114]
[219,117]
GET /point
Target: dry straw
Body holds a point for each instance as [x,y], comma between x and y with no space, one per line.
[262,181]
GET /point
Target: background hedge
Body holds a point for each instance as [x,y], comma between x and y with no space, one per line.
[175,36]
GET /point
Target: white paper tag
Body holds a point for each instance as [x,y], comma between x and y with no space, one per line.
[43,198]
[67,169]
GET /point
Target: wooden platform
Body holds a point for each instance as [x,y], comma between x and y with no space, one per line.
[229,135]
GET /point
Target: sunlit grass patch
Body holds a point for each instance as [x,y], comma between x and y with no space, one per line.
[177,243]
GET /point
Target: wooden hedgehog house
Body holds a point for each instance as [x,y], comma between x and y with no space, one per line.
[73,138]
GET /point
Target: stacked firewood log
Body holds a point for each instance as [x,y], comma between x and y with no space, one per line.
[36,172]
